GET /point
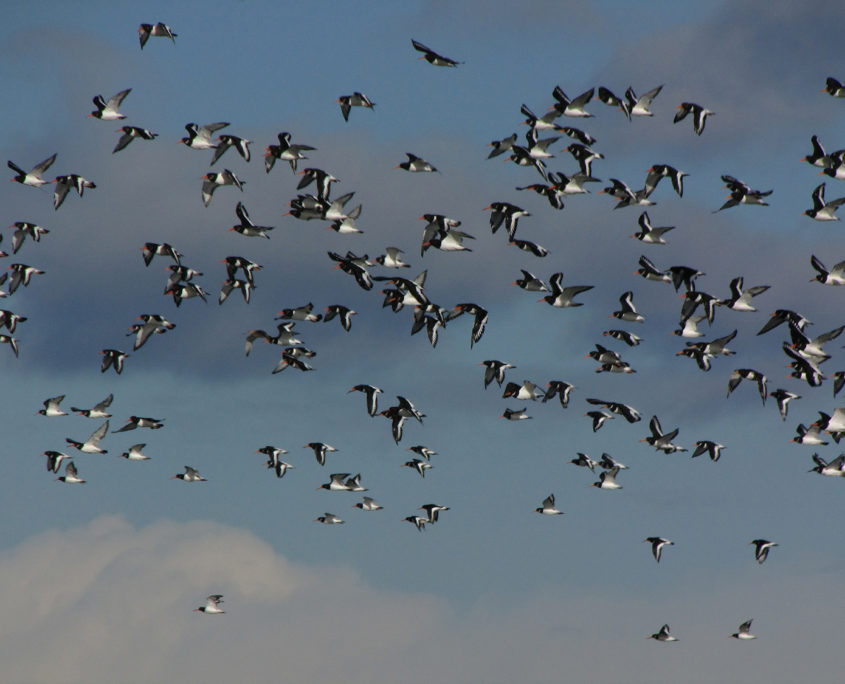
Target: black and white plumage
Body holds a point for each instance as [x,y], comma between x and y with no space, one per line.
[320,450]
[652,235]
[761,549]
[432,57]
[212,181]
[415,164]
[190,475]
[548,507]
[33,178]
[742,193]
[750,374]
[371,393]
[660,440]
[130,133]
[657,544]
[108,110]
[212,605]
[113,358]
[833,276]
[224,142]
[347,102]
[199,137]
[663,635]
[159,30]
[66,183]
[699,115]
[744,632]
[709,447]
[92,444]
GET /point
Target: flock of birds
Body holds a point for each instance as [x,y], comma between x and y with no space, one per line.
[804,352]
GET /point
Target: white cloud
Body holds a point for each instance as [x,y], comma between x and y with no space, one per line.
[107,602]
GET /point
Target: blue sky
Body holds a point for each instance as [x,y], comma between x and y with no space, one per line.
[120,562]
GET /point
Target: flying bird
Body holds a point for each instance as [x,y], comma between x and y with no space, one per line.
[663,635]
[159,30]
[548,507]
[657,544]
[212,605]
[761,549]
[130,133]
[699,115]
[744,632]
[432,57]
[34,177]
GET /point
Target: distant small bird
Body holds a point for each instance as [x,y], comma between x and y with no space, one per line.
[833,87]
[32,178]
[227,141]
[432,57]
[51,407]
[657,544]
[371,392]
[527,390]
[368,504]
[135,453]
[24,229]
[761,549]
[559,389]
[650,234]
[129,134]
[510,414]
[159,30]
[548,507]
[320,451]
[415,164]
[92,444]
[713,449]
[433,511]
[825,276]
[744,633]
[501,146]
[741,193]
[329,519]
[639,106]
[821,210]
[783,397]
[55,460]
[347,102]
[392,258]
[212,181]
[12,342]
[663,635]
[562,297]
[64,184]
[212,605]
[628,312]
[417,520]
[418,465]
[199,138]
[190,475]
[836,467]
[607,479]
[286,151]
[71,475]
[108,111]
[98,411]
[741,374]
[343,313]
[699,115]
[135,422]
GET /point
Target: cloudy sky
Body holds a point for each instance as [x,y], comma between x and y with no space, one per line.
[101,578]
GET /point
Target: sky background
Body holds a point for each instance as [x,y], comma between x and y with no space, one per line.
[102,578]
